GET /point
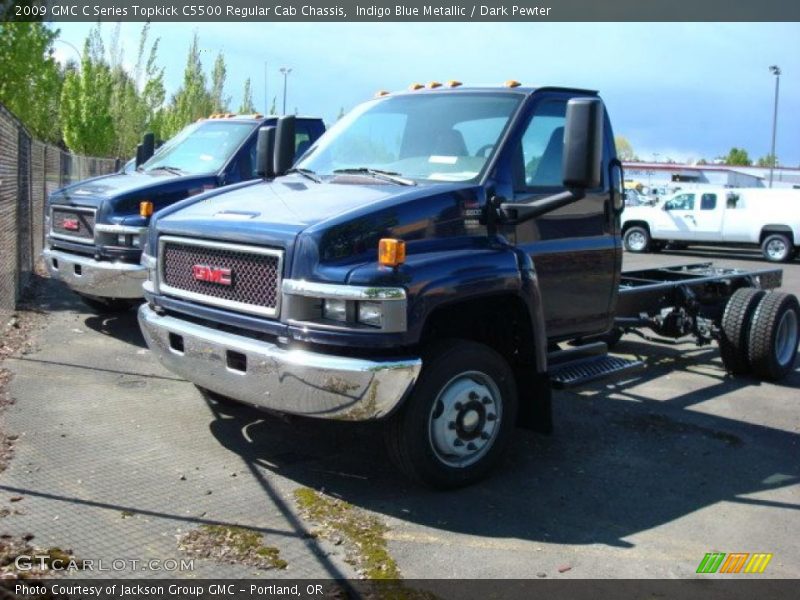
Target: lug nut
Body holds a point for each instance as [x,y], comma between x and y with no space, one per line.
[473,395]
[471,446]
[486,400]
[458,406]
[484,435]
[451,425]
[458,443]
[491,417]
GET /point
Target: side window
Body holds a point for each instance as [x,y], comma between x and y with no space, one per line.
[682,202]
[302,140]
[708,202]
[543,146]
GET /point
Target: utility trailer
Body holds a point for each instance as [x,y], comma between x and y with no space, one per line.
[756,329]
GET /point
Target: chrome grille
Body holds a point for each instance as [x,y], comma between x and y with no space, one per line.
[72,223]
[252,280]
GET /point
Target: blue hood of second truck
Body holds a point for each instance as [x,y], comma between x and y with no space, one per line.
[118,195]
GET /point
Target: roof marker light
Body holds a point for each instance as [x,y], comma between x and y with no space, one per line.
[433,85]
[415,86]
[381,93]
[453,83]
[512,83]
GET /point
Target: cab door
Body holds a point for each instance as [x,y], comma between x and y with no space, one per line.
[708,216]
[574,249]
[678,220]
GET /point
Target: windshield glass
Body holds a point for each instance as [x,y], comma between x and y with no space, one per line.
[439,137]
[201,147]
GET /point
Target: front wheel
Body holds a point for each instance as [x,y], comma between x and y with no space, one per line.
[637,239]
[777,247]
[459,419]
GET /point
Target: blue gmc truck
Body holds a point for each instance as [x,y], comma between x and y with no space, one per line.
[95,228]
[439,260]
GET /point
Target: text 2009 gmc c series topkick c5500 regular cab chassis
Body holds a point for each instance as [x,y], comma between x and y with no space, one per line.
[426,264]
[95,228]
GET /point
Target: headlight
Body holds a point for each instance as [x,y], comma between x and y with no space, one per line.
[334,310]
[370,313]
[136,241]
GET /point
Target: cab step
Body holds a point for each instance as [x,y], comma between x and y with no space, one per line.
[591,368]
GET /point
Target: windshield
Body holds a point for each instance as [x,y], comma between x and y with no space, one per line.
[200,148]
[439,136]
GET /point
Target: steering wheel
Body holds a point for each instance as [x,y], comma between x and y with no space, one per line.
[482,151]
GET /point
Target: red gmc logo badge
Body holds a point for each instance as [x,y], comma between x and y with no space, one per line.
[216,275]
[71,224]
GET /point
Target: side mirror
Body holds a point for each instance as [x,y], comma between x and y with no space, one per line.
[284,145]
[148,146]
[139,155]
[265,152]
[583,143]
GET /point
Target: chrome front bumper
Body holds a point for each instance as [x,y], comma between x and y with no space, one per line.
[96,278]
[268,376]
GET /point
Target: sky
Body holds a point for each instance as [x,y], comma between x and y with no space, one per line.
[681,91]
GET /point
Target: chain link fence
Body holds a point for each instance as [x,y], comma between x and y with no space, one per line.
[29,171]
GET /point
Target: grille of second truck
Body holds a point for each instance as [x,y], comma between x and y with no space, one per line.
[73,223]
[254,277]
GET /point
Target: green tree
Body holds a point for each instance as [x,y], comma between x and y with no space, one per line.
[192,100]
[738,157]
[154,95]
[86,99]
[218,100]
[30,78]
[247,106]
[341,113]
[770,160]
[702,161]
[624,149]
[273,109]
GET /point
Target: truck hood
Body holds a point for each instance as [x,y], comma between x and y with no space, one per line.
[273,212]
[118,195]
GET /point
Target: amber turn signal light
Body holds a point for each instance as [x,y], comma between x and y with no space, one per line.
[145,208]
[391,252]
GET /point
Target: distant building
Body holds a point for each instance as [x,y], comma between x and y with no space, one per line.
[670,176]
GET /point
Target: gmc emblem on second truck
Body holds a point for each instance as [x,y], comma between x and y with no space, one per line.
[217,275]
[71,224]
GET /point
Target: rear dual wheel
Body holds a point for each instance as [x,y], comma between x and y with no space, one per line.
[759,333]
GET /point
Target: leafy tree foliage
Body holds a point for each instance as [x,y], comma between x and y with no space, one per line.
[738,157]
[30,78]
[770,160]
[247,106]
[624,149]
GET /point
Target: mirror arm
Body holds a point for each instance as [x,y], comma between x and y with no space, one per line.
[519,212]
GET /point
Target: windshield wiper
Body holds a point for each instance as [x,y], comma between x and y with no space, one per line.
[307,173]
[392,176]
[173,170]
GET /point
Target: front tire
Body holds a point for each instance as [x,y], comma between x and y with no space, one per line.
[459,419]
[774,336]
[637,239]
[777,247]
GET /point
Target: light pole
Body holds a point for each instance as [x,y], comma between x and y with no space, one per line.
[266,98]
[73,46]
[285,71]
[775,70]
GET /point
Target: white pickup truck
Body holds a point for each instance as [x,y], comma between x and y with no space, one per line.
[768,218]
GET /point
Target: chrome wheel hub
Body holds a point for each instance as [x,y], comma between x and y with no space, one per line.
[786,338]
[465,419]
[636,241]
[776,249]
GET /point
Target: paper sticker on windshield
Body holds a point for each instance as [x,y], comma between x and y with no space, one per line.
[443,160]
[206,157]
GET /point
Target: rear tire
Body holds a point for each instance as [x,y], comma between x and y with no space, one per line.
[107,306]
[774,335]
[457,423]
[735,329]
[637,239]
[777,247]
